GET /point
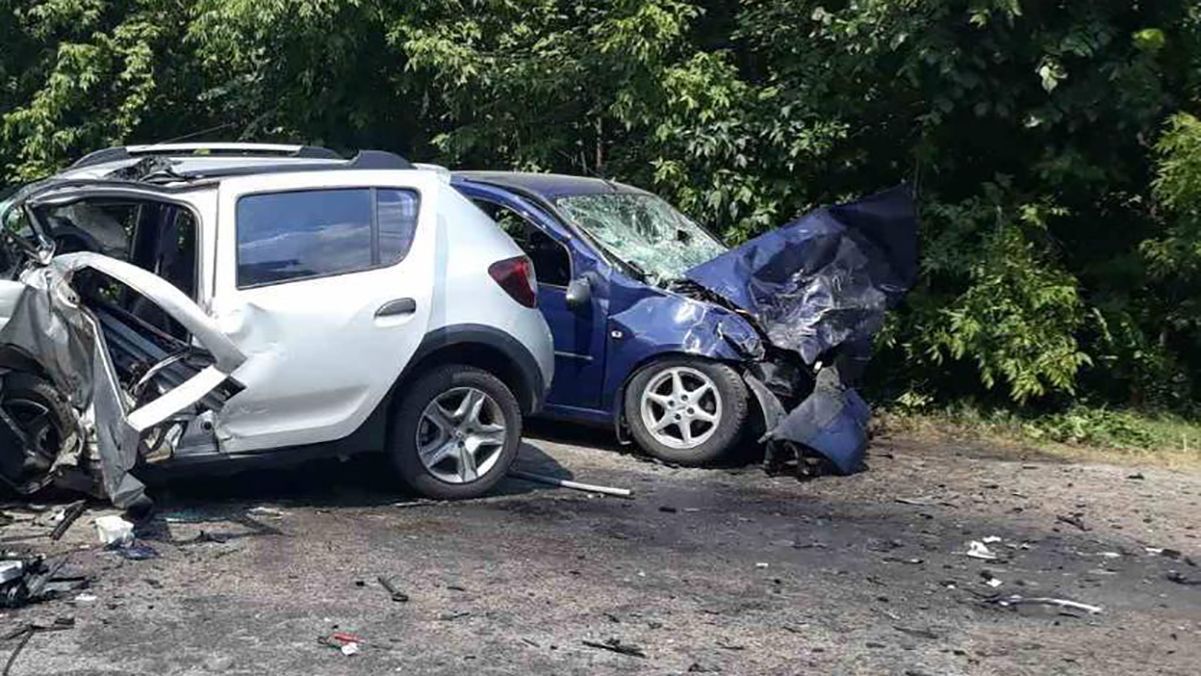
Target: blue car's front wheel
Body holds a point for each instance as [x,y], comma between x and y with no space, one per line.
[685,410]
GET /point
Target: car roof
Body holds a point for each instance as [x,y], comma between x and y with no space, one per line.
[547,186]
[215,160]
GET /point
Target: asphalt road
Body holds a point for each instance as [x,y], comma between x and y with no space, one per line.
[703,571]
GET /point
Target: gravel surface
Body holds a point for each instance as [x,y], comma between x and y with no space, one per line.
[717,570]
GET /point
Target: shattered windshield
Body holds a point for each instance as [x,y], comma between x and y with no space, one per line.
[643,230]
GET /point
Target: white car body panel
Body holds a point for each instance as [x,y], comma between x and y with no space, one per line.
[301,387]
[312,356]
[10,292]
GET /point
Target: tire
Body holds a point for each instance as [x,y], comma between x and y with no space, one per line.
[652,393]
[414,429]
[52,422]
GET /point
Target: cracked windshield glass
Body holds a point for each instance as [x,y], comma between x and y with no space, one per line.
[643,230]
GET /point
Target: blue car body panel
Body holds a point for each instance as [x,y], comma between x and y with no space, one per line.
[822,281]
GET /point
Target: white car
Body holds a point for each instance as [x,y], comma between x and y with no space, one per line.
[179,305]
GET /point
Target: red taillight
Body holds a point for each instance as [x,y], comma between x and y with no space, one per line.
[516,277]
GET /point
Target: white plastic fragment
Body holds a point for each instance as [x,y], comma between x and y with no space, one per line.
[978,550]
[85,598]
[350,649]
[1048,601]
[11,570]
[991,539]
[112,529]
[994,582]
[761,564]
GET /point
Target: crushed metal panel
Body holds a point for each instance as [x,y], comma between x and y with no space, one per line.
[826,278]
[49,324]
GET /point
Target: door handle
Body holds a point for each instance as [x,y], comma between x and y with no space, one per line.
[400,306]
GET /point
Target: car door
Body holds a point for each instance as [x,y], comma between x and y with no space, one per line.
[325,281]
[578,332]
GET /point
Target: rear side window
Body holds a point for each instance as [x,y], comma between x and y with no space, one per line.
[317,233]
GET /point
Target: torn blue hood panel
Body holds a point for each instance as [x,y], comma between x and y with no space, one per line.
[826,278]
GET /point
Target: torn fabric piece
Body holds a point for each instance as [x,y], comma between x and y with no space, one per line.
[826,278]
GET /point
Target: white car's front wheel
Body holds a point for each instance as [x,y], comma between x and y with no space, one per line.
[455,433]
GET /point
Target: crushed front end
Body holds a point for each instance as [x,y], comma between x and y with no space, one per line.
[818,290]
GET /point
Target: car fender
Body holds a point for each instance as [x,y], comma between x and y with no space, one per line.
[660,324]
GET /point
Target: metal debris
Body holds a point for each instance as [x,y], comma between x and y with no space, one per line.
[70,514]
[978,550]
[397,595]
[614,644]
[1016,600]
[575,485]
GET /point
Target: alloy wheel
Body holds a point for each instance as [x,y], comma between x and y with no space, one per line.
[681,407]
[461,435]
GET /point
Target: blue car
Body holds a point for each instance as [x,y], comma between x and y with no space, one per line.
[691,348]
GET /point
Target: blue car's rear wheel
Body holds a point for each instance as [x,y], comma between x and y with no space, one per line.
[686,411]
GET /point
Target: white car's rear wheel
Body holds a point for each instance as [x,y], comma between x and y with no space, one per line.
[455,433]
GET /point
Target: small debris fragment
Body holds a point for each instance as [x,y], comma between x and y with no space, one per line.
[918,632]
[575,485]
[1138,476]
[1076,520]
[70,514]
[113,530]
[347,643]
[397,595]
[136,552]
[262,510]
[1180,578]
[991,539]
[1015,600]
[761,564]
[990,579]
[977,550]
[614,644]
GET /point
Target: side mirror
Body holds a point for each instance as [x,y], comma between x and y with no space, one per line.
[579,293]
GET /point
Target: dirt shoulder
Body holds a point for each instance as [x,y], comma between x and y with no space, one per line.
[703,570]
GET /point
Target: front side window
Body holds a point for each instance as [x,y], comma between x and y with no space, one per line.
[316,233]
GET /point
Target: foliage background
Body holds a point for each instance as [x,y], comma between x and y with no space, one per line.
[1054,142]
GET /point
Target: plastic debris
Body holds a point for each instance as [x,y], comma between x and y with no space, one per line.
[614,644]
[347,643]
[978,550]
[29,579]
[113,530]
[69,515]
[397,595]
[991,539]
[564,483]
[136,552]
[1180,578]
[1076,520]
[1015,600]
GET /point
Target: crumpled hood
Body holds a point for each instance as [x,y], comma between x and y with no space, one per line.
[826,278]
